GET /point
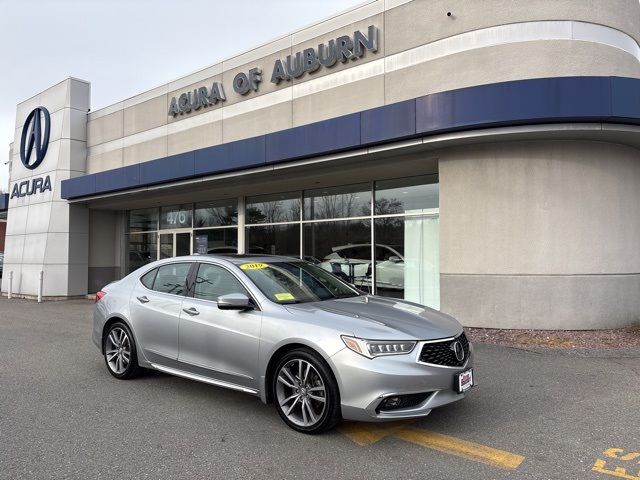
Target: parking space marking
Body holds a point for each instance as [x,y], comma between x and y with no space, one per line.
[367,434]
[618,455]
[462,448]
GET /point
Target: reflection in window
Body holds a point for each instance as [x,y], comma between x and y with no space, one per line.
[341,247]
[213,282]
[216,213]
[216,241]
[403,195]
[274,240]
[297,282]
[172,278]
[143,249]
[148,278]
[338,202]
[281,207]
[408,259]
[143,220]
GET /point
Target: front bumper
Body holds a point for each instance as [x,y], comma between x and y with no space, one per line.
[364,383]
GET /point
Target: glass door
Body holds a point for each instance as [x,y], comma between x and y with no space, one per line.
[182,244]
[174,244]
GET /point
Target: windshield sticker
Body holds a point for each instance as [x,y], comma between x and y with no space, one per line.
[253,266]
[284,296]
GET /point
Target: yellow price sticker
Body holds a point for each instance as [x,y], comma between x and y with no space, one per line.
[284,296]
[253,266]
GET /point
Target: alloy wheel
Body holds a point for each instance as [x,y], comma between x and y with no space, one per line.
[301,393]
[118,350]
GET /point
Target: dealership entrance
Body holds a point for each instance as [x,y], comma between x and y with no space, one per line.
[175,244]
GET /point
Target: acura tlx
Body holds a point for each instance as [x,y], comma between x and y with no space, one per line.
[287,331]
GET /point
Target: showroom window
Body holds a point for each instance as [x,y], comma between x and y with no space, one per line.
[217,213]
[381,236]
[216,227]
[342,247]
[407,195]
[176,216]
[142,238]
[144,220]
[273,224]
[407,237]
[338,202]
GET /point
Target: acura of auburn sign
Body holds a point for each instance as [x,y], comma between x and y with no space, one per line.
[34,143]
[341,49]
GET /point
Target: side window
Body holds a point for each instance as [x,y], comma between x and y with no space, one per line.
[172,278]
[214,281]
[347,253]
[360,253]
[148,278]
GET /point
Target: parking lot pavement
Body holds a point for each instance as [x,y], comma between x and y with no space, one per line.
[533,415]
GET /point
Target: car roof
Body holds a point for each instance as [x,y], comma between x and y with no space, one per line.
[239,259]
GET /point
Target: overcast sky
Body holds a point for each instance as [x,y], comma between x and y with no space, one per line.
[124,47]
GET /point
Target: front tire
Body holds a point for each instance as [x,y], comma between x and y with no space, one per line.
[120,352]
[305,392]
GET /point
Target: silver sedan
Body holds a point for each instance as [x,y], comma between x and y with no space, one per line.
[287,331]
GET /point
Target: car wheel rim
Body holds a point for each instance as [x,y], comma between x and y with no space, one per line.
[301,393]
[118,350]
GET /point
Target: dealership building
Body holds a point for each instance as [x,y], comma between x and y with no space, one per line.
[481,158]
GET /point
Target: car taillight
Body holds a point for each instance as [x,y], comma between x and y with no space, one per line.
[99,295]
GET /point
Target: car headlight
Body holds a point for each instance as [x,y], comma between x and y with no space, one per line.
[377,348]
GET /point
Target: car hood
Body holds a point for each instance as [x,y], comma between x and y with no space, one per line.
[379,318]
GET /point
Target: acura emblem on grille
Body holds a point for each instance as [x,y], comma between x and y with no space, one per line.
[458,350]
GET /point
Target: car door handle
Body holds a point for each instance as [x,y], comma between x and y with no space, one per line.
[143,299]
[191,311]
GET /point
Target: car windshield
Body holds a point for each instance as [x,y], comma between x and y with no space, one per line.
[296,282]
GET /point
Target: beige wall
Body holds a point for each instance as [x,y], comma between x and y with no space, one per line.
[541,234]
[423,21]
[139,129]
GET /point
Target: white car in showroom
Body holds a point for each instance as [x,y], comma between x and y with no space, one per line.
[353,263]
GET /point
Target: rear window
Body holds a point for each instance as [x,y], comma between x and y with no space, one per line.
[172,278]
[148,278]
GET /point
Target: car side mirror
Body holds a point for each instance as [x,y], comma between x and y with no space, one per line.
[234,301]
[395,259]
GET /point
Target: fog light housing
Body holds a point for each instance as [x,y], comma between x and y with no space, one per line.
[390,403]
[399,402]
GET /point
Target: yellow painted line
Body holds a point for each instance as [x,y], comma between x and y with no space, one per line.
[461,448]
[365,434]
[368,433]
[619,472]
[617,454]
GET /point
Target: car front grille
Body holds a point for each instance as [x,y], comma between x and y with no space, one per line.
[442,353]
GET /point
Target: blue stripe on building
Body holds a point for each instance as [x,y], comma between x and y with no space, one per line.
[522,102]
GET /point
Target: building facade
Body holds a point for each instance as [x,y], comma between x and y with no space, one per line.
[482,158]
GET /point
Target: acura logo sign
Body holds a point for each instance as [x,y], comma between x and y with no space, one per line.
[458,350]
[35,138]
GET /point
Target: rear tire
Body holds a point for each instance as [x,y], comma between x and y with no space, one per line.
[305,392]
[120,354]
